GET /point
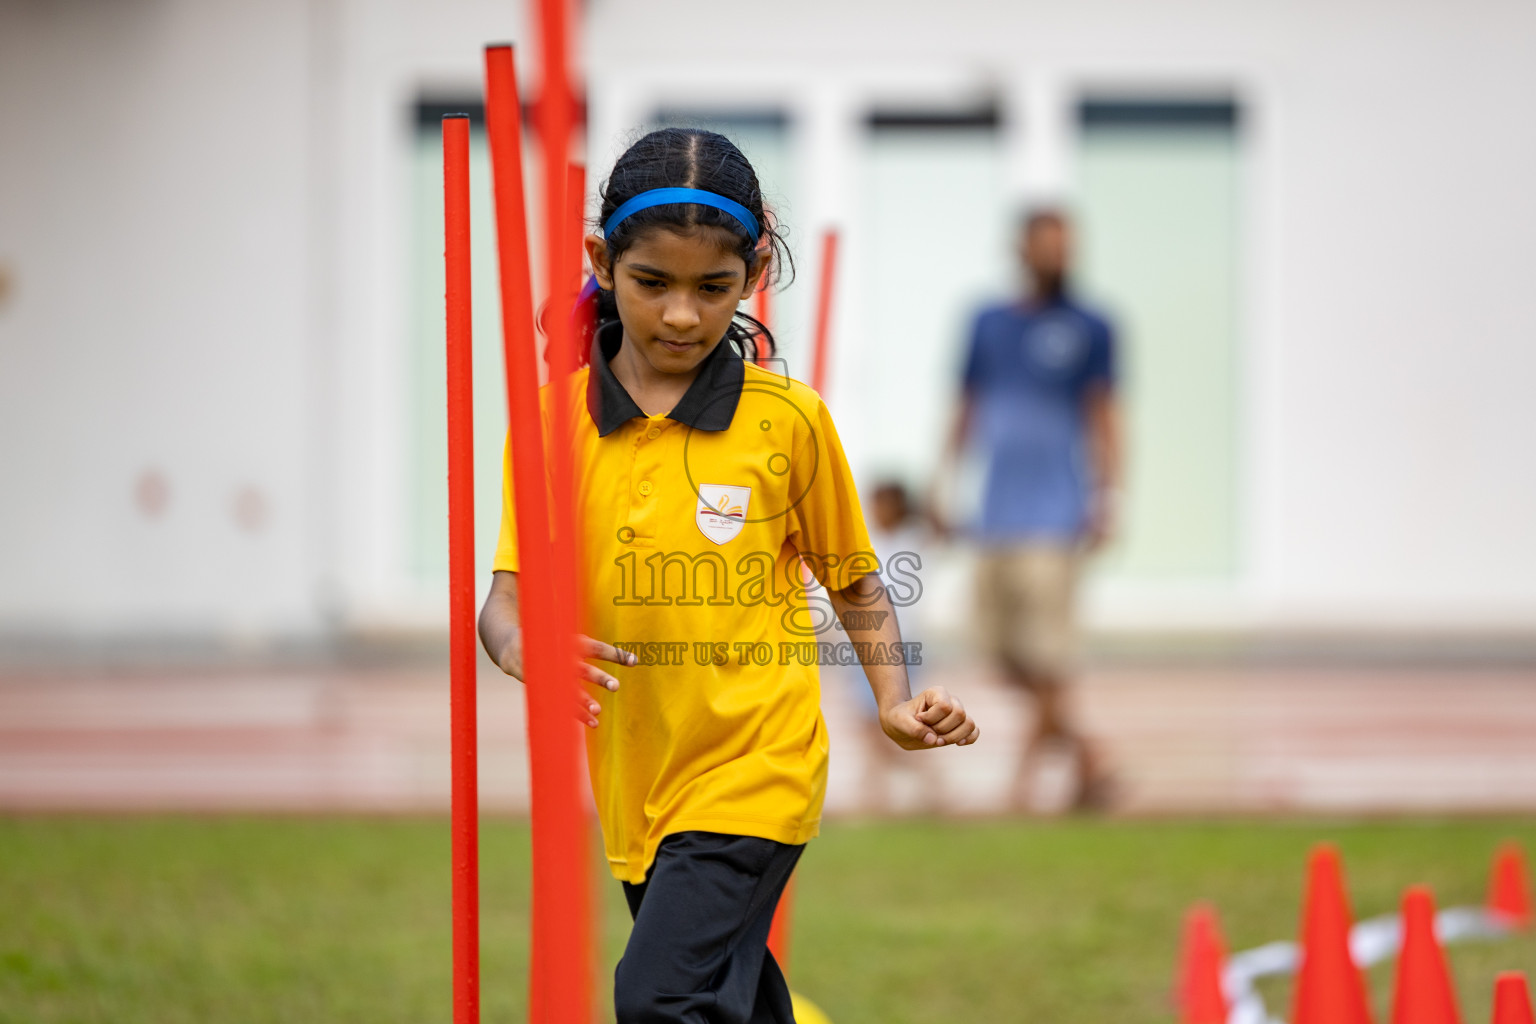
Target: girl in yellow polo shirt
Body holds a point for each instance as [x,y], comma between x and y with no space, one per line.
[708,485]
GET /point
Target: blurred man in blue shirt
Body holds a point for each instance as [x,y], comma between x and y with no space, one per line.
[1038,400]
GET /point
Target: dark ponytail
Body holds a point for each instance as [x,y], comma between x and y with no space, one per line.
[691,158]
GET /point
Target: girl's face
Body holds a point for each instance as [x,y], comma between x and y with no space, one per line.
[676,293]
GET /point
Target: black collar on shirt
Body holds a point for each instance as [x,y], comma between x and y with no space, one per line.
[708,404]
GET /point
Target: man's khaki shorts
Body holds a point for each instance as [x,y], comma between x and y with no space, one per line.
[1027,607]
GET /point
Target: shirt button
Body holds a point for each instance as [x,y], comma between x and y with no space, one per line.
[653,433]
[645,487]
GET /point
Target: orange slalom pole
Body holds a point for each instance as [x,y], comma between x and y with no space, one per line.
[762,299]
[571,261]
[461,574]
[779,930]
[568,820]
[570,979]
[762,309]
[559,990]
[556,114]
[823,337]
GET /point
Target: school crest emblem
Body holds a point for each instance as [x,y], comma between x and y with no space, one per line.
[722,511]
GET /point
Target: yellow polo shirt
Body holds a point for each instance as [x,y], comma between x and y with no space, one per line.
[695,524]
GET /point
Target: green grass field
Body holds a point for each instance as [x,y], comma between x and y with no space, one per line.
[170,920]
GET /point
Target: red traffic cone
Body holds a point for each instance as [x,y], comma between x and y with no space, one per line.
[1200,995]
[1423,993]
[1509,890]
[1329,987]
[1512,1000]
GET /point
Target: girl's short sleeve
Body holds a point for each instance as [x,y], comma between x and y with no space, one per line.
[506,542]
[827,524]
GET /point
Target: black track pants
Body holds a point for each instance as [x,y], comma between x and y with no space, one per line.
[698,953]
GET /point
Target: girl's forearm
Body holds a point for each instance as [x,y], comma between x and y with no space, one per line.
[875,622]
[500,631]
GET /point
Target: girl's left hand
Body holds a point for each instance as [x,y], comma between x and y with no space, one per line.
[933,718]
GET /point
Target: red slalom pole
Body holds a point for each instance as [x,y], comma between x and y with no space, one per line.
[762,306]
[461,574]
[567,986]
[569,979]
[823,337]
[779,930]
[559,990]
[762,309]
[570,261]
[556,117]
[762,299]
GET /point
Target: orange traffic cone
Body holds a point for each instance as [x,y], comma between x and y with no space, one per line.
[1512,1000]
[1200,995]
[1509,890]
[1423,994]
[1329,987]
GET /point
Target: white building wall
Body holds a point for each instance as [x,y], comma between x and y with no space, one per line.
[202,216]
[387,55]
[153,217]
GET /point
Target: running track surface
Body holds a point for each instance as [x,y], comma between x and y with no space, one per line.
[1184,740]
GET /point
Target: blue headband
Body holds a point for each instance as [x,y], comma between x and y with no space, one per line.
[660,196]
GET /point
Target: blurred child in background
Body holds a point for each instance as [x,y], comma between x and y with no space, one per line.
[901,539]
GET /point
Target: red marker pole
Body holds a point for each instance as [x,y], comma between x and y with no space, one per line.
[762,299]
[461,575]
[762,309]
[779,930]
[560,974]
[556,117]
[823,342]
[762,306]
[571,261]
[567,986]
